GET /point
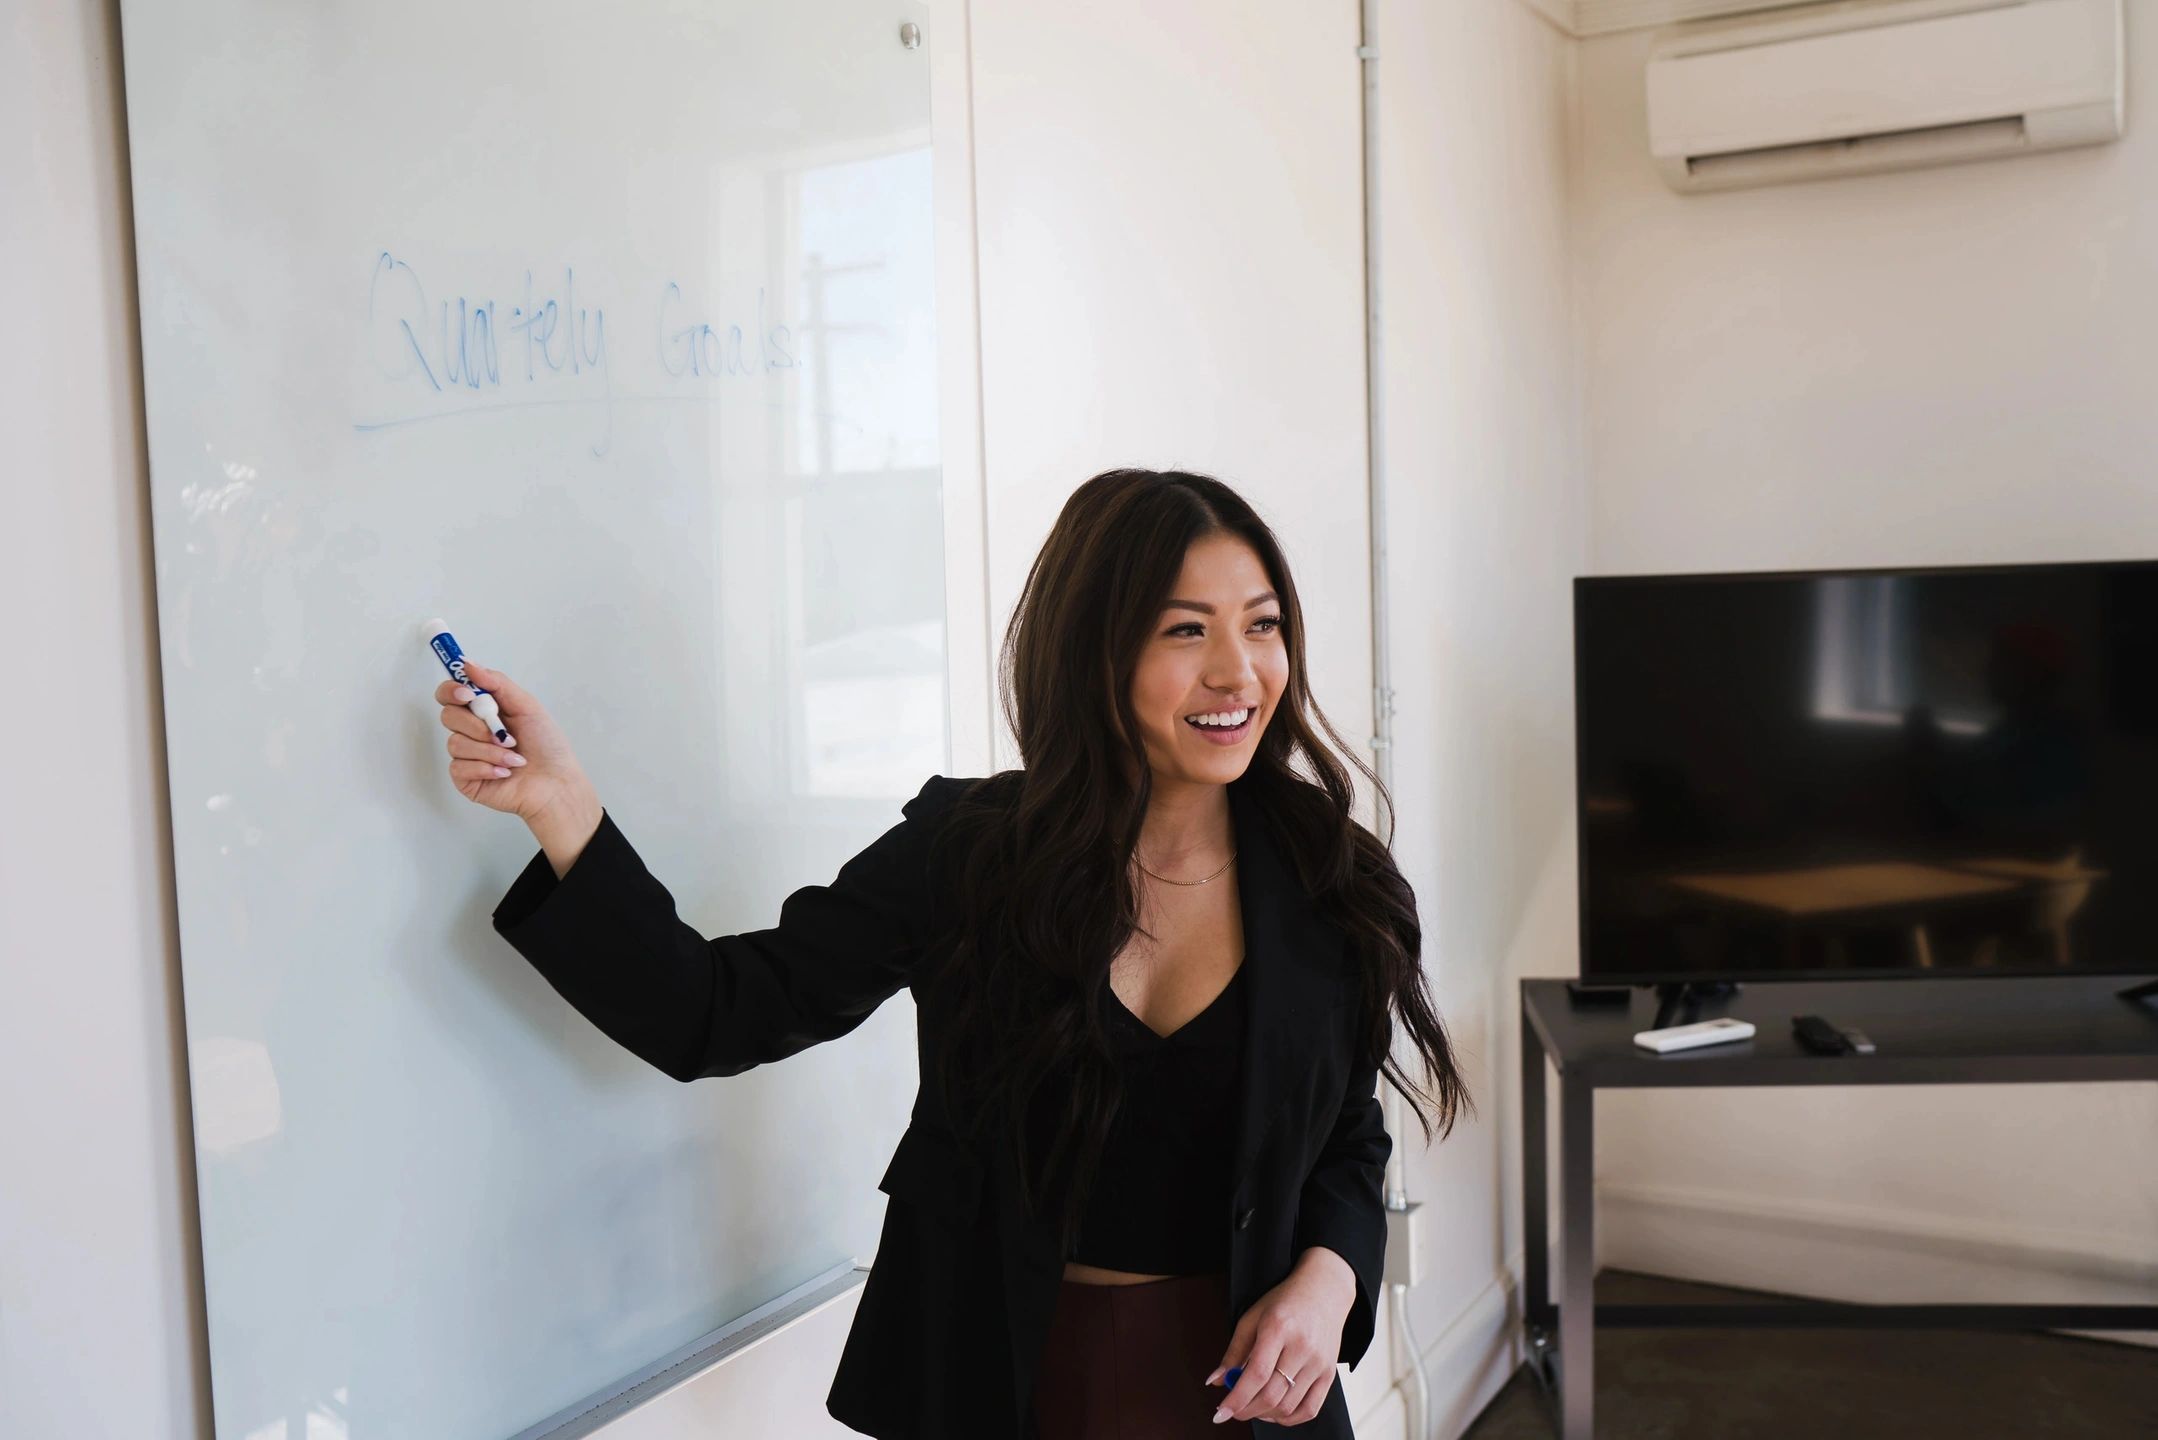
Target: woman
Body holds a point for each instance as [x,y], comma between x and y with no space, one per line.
[1154,972]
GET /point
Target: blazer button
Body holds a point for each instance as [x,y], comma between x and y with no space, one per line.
[1245,1218]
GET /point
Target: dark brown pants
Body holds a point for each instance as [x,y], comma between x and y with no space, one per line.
[1128,1362]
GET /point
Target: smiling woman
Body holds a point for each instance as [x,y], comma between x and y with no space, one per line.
[1090,1029]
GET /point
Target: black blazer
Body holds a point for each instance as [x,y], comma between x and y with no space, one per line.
[956,1307]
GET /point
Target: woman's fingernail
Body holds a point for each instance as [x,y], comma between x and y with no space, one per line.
[509,740]
[500,773]
[516,760]
[1221,1414]
[1213,1379]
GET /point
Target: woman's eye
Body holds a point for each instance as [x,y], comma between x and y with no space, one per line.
[1272,622]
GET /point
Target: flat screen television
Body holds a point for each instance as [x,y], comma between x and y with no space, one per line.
[1949,771]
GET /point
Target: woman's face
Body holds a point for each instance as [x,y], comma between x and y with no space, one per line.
[1217,648]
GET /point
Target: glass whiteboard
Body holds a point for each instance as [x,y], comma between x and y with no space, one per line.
[604,332]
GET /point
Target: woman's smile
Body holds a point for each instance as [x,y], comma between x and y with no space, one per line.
[1214,732]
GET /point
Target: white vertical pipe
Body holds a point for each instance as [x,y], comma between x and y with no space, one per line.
[1418,1399]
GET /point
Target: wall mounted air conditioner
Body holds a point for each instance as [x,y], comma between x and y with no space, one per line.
[1870,85]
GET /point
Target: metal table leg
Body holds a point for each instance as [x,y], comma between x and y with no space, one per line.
[1535,1191]
[1577,1265]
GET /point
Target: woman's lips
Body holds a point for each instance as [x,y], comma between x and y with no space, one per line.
[1220,735]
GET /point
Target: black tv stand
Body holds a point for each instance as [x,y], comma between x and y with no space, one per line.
[1679,1001]
[2147,990]
[1993,1031]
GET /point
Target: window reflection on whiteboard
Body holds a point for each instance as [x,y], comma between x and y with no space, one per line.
[865,533]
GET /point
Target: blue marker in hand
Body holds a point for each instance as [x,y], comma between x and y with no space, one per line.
[482,704]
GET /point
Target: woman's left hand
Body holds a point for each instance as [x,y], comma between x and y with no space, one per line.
[1294,1330]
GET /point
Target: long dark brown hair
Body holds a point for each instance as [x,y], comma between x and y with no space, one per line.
[1044,898]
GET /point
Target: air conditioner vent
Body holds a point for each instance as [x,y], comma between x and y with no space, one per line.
[1838,90]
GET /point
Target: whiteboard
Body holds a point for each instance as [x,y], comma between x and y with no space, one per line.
[605,332]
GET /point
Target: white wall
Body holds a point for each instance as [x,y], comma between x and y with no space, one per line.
[1177,283]
[1936,367]
[100,1309]
[1487,527]
[1171,263]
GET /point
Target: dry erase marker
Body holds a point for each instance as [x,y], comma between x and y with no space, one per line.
[482,704]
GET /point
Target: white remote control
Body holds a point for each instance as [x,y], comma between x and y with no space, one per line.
[1686,1037]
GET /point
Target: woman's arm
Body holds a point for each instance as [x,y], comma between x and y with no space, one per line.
[1343,1206]
[604,933]
[566,828]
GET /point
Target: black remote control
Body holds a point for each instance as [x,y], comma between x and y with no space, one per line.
[1817,1035]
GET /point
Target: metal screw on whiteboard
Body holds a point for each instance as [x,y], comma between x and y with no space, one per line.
[910,35]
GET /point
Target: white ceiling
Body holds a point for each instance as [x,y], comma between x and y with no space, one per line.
[1601,17]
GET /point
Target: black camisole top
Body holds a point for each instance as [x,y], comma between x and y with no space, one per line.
[1160,1199]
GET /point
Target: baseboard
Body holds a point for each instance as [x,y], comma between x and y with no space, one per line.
[1838,1250]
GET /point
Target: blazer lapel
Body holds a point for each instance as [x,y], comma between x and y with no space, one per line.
[1296,976]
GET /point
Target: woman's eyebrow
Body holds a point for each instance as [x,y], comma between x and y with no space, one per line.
[1205,609]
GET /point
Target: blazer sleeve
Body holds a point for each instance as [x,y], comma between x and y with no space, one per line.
[1343,1205]
[607,938]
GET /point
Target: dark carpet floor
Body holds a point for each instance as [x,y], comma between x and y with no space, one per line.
[1838,1384]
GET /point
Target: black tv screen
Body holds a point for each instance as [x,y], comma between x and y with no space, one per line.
[1895,773]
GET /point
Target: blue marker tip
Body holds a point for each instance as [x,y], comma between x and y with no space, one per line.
[1229,1379]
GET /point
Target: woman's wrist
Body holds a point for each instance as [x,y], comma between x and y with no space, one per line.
[565,827]
[1333,1268]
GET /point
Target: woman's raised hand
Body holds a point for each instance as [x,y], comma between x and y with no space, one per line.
[534,775]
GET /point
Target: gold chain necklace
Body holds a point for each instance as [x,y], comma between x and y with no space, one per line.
[1167,881]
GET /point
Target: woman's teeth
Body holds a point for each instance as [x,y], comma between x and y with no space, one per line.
[1220,720]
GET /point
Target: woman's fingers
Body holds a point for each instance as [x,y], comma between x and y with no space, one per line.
[479,762]
[463,748]
[513,698]
[460,718]
[1239,1347]
[1243,1398]
[1269,1404]
[459,721]
[1304,1396]
[1313,1399]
